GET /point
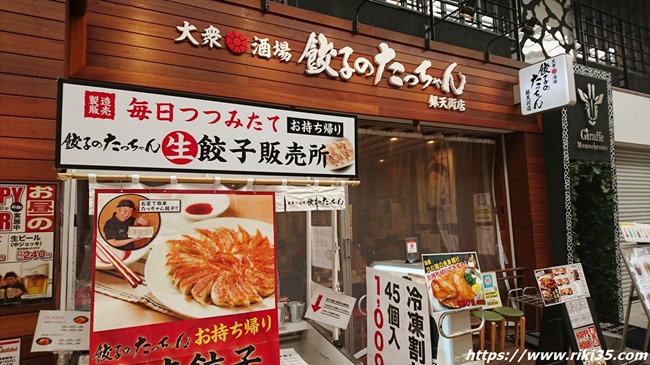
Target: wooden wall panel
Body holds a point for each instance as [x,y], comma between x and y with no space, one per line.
[31,59]
[529,204]
[127,41]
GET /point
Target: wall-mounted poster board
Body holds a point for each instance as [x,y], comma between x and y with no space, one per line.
[27,237]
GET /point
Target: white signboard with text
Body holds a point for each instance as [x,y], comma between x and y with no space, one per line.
[547,85]
[330,308]
[398,319]
[114,127]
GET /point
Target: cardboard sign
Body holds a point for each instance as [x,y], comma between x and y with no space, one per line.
[330,308]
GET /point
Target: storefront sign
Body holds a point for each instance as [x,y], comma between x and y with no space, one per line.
[398,320]
[547,85]
[61,331]
[319,56]
[561,284]
[453,281]
[27,226]
[589,120]
[184,277]
[330,308]
[114,127]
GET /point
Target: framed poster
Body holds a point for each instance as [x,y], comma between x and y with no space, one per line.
[184,276]
[27,242]
[453,281]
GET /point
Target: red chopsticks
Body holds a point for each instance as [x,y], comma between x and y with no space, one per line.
[126,272]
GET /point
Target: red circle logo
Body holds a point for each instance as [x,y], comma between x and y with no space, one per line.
[236,42]
[179,147]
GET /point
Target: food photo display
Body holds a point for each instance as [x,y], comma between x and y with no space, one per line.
[561,284]
[453,281]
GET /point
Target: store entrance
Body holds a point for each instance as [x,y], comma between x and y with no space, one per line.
[437,189]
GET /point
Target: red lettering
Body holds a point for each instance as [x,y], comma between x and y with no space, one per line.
[5,221]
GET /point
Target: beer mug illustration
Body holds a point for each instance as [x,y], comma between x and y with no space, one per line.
[35,276]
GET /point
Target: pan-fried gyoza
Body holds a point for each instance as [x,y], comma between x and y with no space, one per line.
[223,266]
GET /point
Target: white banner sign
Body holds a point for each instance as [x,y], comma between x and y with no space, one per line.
[113,127]
[398,320]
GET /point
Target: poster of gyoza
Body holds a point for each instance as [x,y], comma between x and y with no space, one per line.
[184,277]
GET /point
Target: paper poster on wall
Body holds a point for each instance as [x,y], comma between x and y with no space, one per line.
[184,273]
[491,290]
[399,321]
[27,228]
[322,249]
[482,208]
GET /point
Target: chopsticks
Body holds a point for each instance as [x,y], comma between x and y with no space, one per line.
[126,272]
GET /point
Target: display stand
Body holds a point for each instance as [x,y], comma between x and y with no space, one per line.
[559,333]
[636,255]
[631,298]
[455,338]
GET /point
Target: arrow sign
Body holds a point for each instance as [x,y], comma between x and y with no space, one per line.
[316,306]
[330,308]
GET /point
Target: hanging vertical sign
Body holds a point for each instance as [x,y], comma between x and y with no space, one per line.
[27,228]
[184,276]
[590,124]
[398,320]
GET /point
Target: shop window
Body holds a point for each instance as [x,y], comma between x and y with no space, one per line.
[435,188]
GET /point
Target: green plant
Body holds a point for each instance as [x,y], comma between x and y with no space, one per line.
[594,235]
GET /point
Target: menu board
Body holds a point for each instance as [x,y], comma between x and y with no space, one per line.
[637,260]
[61,331]
[561,284]
[635,232]
[579,313]
[454,281]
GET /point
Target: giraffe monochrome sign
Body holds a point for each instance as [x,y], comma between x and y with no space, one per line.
[589,124]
